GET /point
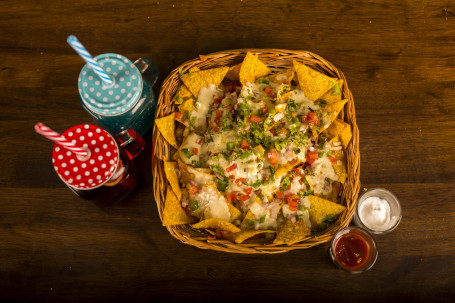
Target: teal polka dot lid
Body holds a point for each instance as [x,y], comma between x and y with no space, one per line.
[116,98]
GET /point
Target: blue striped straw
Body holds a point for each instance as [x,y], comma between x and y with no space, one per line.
[82,51]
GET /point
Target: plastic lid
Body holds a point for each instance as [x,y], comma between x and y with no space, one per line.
[92,171]
[116,98]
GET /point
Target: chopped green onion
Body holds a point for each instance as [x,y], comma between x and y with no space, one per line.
[194,205]
[262,219]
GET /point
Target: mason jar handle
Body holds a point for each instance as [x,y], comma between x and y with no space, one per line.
[131,142]
[146,65]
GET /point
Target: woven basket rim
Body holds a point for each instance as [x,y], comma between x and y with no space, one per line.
[162,150]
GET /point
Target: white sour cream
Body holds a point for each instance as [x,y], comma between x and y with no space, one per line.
[375,214]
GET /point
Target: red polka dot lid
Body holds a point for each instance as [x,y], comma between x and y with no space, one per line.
[86,172]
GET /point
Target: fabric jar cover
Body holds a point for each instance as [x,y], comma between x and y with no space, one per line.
[91,171]
[116,98]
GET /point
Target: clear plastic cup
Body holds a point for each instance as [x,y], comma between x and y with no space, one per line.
[363,215]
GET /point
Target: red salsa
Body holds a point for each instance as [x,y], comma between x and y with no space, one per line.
[351,250]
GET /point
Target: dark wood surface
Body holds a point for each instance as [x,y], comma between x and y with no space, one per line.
[399,59]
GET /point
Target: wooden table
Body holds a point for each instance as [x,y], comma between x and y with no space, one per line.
[399,59]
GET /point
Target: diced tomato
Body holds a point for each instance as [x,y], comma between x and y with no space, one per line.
[312,118]
[245,144]
[223,234]
[178,115]
[279,195]
[332,158]
[231,168]
[229,106]
[248,190]
[199,141]
[293,204]
[195,150]
[239,181]
[313,155]
[193,190]
[268,90]
[273,157]
[232,177]
[219,112]
[255,119]
[216,128]
[232,196]
[304,118]
[243,197]
[264,110]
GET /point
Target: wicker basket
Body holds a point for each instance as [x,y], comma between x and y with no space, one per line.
[275,59]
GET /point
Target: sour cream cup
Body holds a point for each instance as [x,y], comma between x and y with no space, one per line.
[378,211]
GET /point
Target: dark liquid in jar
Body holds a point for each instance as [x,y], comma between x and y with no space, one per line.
[118,187]
[352,251]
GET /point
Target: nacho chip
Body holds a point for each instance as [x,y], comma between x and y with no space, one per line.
[320,208]
[215,223]
[184,173]
[340,170]
[233,72]
[166,126]
[246,234]
[345,136]
[290,233]
[202,78]
[284,76]
[176,156]
[334,94]
[184,109]
[313,83]
[234,211]
[334,129]
[248,221]
[284,168]
[182,94]
[173,213]
[333,110]
[252,68]
[170,169]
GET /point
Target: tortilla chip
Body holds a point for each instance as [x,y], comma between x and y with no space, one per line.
[184,108]
[334,94]
[166,126]
[345,136]
[182,94]
[202,78]
[333,110]
[320,208]
[290,233]
[248,217]
[284,76]
[235,213]
[252,68]
[170,169]
[284,168]
[215,223]
[173,213]
[233,72]
[176,156]
[313,83]
[246,234]
[334,129]
[340,170]
[184,173]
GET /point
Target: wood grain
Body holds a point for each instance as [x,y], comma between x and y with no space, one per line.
[399,59]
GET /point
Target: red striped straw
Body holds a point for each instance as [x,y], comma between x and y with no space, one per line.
[45,131]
